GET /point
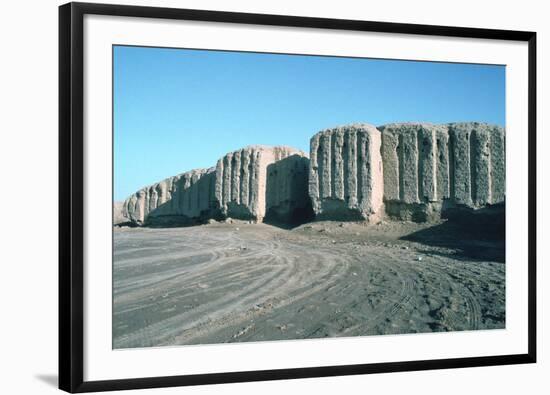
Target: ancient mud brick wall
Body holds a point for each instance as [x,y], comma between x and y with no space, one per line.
[410,171]
[287,198]
[431,168]
[345,178]
[178,199]
[240,186]
[478,166]
[241,181]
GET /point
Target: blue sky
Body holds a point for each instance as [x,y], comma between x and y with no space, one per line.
[177,109]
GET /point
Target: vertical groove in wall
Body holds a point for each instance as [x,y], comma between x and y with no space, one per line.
[353,166]
[198,196]
[182,194]
[401,165]
[313,170]
[131,206]
[490,172]
[363,193]
[327,159]
[219,182]
[399,185]
[320,166]
[204,194]
[235,176]
[250,176]
[160,193]
[186,195]
[346,164]
[178,191]
[354,189]
[147,201]
[211,191]
[227,179]
[145,205]
[243,187]
[175,193]
[333,175]
[420,161]
[178,194]
[338,165]
[434,165]
[191,191]
[498,154]
[451,155]
[437,166]
[168,185]
[369,161]
[473,159]
[359,165]
[442,156]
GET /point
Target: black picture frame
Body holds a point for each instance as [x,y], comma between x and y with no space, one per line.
[71,198]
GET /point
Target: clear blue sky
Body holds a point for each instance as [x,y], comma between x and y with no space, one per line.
[177,109]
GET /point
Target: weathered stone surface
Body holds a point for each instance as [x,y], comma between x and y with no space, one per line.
[345,177]
[176,200]
[431,168]
[241,182]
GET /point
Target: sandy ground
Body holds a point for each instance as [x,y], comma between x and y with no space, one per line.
[254,282]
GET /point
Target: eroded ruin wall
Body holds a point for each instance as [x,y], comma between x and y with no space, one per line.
[432,168]
[241,180]
[345,178]
[176,200]
[410,171]
[287,198]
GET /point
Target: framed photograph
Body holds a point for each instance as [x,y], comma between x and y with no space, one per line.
[250,197]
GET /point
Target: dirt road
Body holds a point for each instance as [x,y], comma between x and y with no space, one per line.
[255,282]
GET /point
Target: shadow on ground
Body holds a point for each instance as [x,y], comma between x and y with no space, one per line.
[478,235]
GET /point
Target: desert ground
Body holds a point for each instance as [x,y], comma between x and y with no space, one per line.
[237,281]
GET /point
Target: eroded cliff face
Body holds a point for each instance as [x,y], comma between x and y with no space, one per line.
[407,171]
[345,178]
[429,169]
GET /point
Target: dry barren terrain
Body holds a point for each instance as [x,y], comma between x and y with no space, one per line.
[234,282]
